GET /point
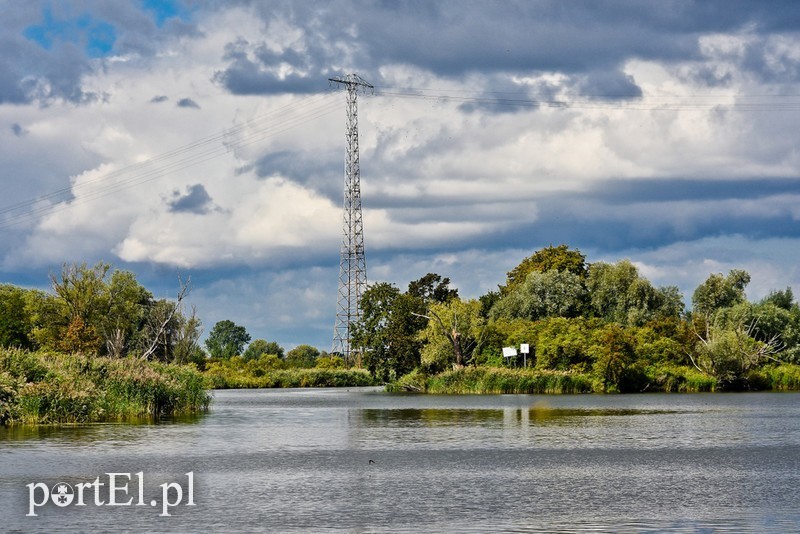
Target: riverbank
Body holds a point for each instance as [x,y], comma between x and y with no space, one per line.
[668,379]
[227,378]
[46,388]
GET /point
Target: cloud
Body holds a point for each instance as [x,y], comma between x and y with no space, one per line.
[18,130]
[664,132]
[196,200]
[187,103]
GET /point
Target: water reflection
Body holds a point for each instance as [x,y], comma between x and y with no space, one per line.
[508,416]
[127,430]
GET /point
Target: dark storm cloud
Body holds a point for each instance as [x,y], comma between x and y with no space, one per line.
[609,215]
[591,40]
[195,200]
[188,103]
[158,99]
[670,190]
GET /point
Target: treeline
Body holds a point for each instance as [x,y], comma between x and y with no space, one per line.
[602,325]
[105,314]
[100,312]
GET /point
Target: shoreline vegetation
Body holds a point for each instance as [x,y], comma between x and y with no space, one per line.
[99,346]
[663,379]
[50,388]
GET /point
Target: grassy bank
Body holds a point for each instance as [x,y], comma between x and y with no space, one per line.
[43,387]
[665,378]
[222,377]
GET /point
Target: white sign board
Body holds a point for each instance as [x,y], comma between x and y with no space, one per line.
[525,348]
[508,352]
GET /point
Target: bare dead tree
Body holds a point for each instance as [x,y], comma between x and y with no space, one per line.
[160,329]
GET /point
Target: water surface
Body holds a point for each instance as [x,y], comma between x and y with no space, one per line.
[361,460]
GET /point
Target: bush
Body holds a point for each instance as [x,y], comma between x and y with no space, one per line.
[41,387]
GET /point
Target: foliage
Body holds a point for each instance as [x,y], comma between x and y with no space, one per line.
[551,258]
[15,320]
[268,371]
[226,339]
[45,387]
[619,294]
[471,380]
[719,292]
[551,293]
[454,334]
[302,356]
[388,332]
[262,346]
[728,352]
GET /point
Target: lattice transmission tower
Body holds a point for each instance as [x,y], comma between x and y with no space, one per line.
[352,263]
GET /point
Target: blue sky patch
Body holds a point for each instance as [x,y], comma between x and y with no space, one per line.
[162,10]
[96,37]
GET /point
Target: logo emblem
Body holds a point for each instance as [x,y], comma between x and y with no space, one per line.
[62,494]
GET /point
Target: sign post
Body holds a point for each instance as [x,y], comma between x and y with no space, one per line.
[525,349]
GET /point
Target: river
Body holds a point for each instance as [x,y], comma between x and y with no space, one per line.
[361,460]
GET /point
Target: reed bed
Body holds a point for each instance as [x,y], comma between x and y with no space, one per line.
[46,388]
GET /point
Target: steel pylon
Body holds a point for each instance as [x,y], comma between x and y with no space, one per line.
[352,263]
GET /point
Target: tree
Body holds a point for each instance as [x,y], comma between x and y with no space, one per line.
[551,258]
[432,288]
[613,353]
[720,292]
[82,290]
[388,331]
[782,299]
[15,320]
[162,327]
[302,356]
[617,293]
[727,352]
[127,304]
[262,346]
[226,339]
[454,334]
[543,294]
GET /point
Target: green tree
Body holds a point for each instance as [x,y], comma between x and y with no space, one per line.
[720,292]
[388,331]
[564,344]
[614,355]
[303,356]
[16,326]
[782,299]
[432,288]
[126,303]
[226,339]
[543,294]
[261,346]
[454,334]
[617,293]
[551,258]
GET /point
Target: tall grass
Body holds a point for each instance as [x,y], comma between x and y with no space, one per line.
[470,380]
[784,377]
[679,379]
[43,387]
[218,377]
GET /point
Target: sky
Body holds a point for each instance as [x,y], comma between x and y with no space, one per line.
[202,139]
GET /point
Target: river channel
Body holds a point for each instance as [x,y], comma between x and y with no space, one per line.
[361,460]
